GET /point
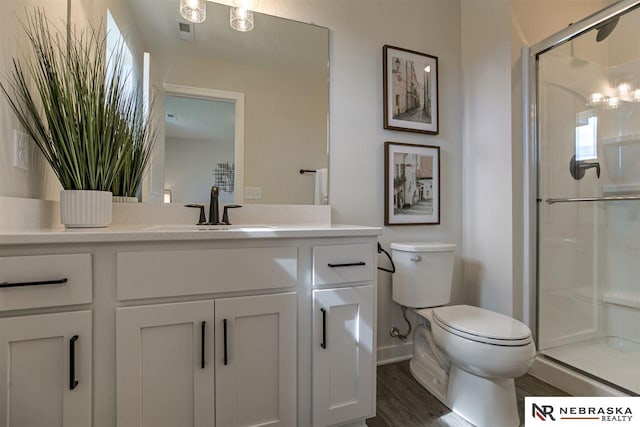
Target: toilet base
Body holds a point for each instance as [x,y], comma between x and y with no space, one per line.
[425,374]
[483,402]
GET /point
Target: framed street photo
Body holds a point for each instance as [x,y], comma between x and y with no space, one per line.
[410,84]
[412,184]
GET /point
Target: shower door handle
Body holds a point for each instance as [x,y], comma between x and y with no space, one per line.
[578,168]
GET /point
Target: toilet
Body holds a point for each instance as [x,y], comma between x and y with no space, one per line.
[466,356]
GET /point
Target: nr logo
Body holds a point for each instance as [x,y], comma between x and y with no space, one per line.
[542,412]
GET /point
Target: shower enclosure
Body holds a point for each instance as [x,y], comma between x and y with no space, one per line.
[585,196]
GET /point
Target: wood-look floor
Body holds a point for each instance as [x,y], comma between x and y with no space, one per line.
[403,402]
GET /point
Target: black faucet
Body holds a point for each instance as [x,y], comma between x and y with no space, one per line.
[214,215]
[225,215]
[203,219]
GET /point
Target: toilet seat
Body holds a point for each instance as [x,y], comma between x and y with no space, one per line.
[483,326]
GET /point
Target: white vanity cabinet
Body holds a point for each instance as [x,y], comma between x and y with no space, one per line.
[164,366]
[170,372]
[45,358]
[217,329]
[343,333]
[255,359]
[45,370]
[343,359]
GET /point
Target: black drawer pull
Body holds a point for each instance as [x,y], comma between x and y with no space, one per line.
[350,264]
[226,358]
[202,343]
[323,344]
[40,283]
[73,382]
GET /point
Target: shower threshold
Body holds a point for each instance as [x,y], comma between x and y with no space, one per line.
[614,360]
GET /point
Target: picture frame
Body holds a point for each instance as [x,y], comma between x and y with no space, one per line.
[412,184]
[410,103]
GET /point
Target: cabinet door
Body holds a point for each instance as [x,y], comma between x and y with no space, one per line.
[343,369]
[45,370]
[256,361]
[164,364]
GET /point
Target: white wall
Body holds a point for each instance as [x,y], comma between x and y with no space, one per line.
[487,218]
[38,180]
[188,168]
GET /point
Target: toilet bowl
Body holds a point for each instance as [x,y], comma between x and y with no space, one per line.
[487,350]
[466,356]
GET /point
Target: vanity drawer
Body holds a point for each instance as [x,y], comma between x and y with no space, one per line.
[152,274]
[343,264]
[45,281]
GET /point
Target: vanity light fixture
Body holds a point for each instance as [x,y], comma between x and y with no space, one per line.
[193,10]
[241,16]
[241,19]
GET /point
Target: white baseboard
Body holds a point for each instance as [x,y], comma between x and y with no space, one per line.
[395,353]
[570,381]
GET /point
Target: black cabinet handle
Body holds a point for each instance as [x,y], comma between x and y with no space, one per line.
[73,383]
[202,343]
[323,344]
[39,283]
[226,360]
[350,264]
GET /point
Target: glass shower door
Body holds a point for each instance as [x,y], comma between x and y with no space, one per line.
[589,202]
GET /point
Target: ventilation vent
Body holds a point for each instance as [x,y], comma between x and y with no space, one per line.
[186,31]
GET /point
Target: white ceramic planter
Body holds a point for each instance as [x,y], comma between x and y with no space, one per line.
[85,208]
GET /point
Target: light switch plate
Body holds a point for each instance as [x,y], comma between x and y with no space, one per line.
[20,150]
[253,193]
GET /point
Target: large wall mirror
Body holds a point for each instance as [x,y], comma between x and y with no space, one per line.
[241,110]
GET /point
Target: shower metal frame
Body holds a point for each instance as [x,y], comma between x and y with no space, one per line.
[531,152]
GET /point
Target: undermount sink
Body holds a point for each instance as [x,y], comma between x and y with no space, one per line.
[209,228]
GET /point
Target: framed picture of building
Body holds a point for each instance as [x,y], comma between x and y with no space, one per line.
[412,184]
[410,85]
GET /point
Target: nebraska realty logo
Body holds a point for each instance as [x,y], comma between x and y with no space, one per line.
[582,411]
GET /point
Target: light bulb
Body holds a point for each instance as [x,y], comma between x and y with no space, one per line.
[193,10]
[636,95]
[241,19]
[624,88]
[596,98]
[613,102]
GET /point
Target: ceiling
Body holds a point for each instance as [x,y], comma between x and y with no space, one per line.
[274,42]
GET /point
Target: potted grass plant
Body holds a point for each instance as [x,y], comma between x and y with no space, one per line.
[127,181]
[73,101]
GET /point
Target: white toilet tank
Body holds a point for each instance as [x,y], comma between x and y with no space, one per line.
[423,273]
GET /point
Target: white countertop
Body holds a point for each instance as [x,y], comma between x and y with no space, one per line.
[151,233]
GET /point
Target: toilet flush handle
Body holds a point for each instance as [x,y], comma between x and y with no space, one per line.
[417,258]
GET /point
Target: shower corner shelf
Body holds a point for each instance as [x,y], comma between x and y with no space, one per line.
[633,138]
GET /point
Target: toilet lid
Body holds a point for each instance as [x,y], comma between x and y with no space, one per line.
[423,246]
[481,324]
